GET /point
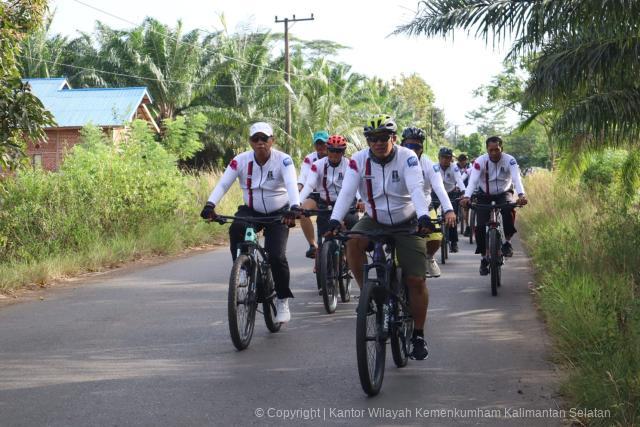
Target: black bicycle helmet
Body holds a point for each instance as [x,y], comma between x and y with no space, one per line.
[445,152]
[413,133]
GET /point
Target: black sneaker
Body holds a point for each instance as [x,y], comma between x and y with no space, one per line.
[454,247]
[507,249]
[467,232]
[419,351]
[484,267]
[311,252]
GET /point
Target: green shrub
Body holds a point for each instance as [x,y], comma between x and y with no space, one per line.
[108,203]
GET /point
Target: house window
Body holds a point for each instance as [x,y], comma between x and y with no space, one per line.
[37,160]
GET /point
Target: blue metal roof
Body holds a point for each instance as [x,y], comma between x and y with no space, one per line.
[78,107]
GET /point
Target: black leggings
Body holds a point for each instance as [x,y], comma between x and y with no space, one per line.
[275,243]
[482,217]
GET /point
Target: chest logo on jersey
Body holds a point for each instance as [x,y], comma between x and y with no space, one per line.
[269,176]
[340,176]
[502,169]
[394,176]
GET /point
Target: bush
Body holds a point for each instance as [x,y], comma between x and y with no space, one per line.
[108,203]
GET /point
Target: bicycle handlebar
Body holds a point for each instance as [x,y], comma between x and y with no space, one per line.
[222,219]
[495,206]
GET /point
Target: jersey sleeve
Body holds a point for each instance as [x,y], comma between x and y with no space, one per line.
[311,182]
[515,176]
[473,179]
[414,182]
[438,187]
[304,170]
[459,181]
[230,174]
[289,176]
[347,192]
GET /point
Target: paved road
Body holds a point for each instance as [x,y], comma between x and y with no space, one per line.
[151,347]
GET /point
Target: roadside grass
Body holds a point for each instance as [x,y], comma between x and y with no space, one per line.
[586,250]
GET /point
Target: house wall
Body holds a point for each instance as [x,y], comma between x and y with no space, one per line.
[50,154]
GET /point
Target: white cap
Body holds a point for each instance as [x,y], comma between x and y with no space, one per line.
[261,127]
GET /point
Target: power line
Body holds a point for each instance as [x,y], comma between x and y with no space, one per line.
[139,77]
[188,44]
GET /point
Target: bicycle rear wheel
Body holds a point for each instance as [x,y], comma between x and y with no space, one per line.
[242,302]
[472,225]
[494,262]
[444,245]
[329,274]
[370,340]
[402,327]
[345,277]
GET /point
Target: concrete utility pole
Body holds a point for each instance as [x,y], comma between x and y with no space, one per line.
[287,71]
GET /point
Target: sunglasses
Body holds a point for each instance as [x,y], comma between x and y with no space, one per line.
[263,138]
[381,138]
[335,150]
[413,146]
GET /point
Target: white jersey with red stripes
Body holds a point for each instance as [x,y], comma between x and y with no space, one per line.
[326,179]
[393,191]
[308,160]
[265,188]
[494,177]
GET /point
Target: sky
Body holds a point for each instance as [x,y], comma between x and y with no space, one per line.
[452,67]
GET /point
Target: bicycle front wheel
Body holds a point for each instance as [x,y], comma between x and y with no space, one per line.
[370,340]
[242,302]
[402,327]
[329,275]
[494,262]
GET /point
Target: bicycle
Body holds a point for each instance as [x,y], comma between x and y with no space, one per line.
[332,272]
[494,241]
[383,312]
[250,283]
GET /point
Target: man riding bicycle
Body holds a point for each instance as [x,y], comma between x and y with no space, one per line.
[465,171]
[413,139]
[320,139]
[268,181]
[454,186]
[326,175]
[390,180]
[493,173]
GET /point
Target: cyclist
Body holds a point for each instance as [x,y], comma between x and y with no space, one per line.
[465,171]
[320,139]
[453,185]
[326,175]
[493,174]
[268,181]
[413,139]
[390,180]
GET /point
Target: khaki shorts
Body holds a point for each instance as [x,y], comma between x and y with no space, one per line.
[411,251]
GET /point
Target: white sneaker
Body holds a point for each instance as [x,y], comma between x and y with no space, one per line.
[432,268]
[282,307]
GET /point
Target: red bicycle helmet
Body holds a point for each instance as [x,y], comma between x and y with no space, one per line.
[337,142]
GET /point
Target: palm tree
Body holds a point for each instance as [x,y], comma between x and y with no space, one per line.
[584,54]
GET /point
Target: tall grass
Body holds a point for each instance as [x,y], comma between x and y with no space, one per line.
[586,248]
[107,205]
